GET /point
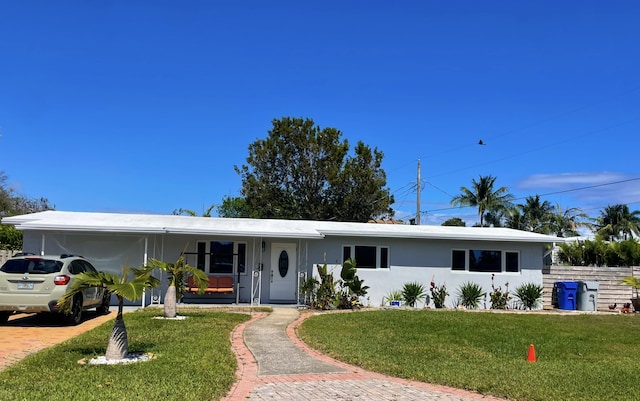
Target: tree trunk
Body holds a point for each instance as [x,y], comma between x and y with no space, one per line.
[118,346]
[170,308]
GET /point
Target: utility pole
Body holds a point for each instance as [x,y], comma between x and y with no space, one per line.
[418,197]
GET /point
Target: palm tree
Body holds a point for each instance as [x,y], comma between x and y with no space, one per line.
[567,222]
[537,215]
[617,221]
[123,288]
[189,212]
[177,272]
[484,197]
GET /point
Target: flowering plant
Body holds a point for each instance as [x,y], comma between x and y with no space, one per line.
[438,294]
[499,298]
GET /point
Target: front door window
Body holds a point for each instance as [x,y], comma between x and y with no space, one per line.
[283,263]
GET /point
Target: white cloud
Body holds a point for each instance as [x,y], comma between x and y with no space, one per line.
[570,180]
[588,190]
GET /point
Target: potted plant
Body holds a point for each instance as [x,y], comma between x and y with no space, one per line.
[634,282]
[393,298]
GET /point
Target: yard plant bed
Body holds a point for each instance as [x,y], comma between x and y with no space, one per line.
[579,357]
[192,361]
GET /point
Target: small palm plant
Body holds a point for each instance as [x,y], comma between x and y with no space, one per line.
[470,295]
[123,287]
[393,295]
[177,272]
[413,292]
[633,282]
[529,295]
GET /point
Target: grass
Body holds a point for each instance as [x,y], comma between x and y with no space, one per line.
[194,362]
[579,357]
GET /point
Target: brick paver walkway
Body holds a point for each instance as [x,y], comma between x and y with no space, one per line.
[354,384]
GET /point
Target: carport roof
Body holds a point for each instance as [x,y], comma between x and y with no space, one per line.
[265,228]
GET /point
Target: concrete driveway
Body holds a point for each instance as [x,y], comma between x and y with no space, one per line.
[25,334]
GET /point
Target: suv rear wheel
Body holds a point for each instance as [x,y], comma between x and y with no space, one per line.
[103,309]
[75,317]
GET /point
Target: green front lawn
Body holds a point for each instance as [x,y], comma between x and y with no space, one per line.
[194,362]
[579,357]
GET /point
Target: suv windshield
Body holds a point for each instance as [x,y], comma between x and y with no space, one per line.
[35,266]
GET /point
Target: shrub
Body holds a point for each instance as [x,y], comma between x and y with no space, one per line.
[599,252]
[470,295]
[331,294]
[499,298]
[326,292]
[438,294]
[308,288]
[529,295]
[413,292]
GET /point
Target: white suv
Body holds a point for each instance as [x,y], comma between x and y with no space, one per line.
[33,284]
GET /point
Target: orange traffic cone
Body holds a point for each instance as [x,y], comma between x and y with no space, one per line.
[531,357]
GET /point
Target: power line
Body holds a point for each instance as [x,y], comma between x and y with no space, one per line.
[550,193]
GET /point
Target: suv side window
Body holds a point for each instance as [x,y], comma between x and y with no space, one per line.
[76,267]
[88,267]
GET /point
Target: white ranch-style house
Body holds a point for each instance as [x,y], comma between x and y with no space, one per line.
[267,259]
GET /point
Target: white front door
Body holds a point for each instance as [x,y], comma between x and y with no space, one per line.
[283,274]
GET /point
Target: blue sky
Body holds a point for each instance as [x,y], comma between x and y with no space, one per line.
[146,106]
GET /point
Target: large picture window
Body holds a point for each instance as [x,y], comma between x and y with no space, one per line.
[485,261]
[367,257]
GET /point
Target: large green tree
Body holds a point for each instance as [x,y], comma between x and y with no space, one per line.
[12,204]
[302,171]
[234,207]
[618,222]
[483,196]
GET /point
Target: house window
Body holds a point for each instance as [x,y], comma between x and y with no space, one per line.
[384,258]
[242,258]
[346,253]
[201,258]
[458,260]
[367,257]
[223,257]
[485,261]
[512,262]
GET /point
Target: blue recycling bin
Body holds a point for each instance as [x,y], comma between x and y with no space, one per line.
[567,294]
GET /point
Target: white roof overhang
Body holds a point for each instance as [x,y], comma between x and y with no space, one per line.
[265,228]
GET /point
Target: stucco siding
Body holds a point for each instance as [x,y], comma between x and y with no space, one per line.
[423,260]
